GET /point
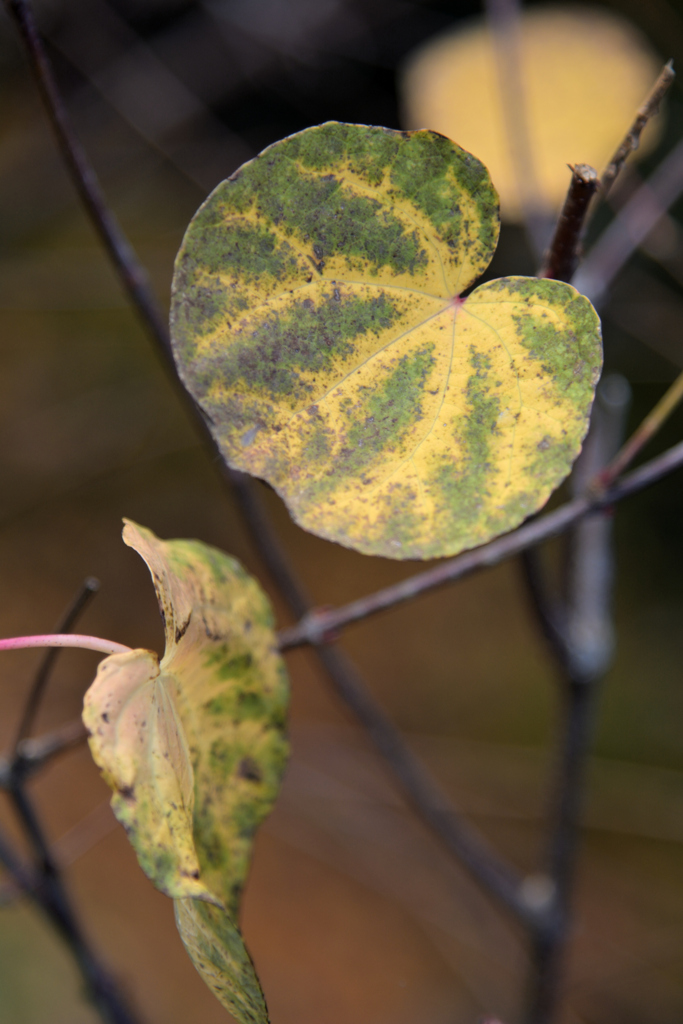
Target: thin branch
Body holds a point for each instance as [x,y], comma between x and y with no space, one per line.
[643,433]
[631,140]
[70,847]
[68,620]
[425,795]
[589,566]
[578,630]
[23,875]
[51,896]
[564,251]
[559,264]
[589,647]
[630,227]
[548,946]
[184,110]
[32,755]
[266,543]
[317,624]
[85,179]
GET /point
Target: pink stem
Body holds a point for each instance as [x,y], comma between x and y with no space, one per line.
[90,643]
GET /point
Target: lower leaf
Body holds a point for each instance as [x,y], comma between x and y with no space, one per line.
[194,748]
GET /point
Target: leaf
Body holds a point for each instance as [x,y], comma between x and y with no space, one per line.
[194,749]
[317,322]
[584,73]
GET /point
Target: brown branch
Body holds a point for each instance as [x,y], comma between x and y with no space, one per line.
[564,251]
[631,140]
[559,264]
[129,268]
[73,844]
[32,755]
[631,226]
[581,664]
[50,895]
[643,433]
[425,795]
[317,624]
[266,543]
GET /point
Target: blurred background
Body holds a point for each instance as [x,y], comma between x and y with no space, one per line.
[353,912]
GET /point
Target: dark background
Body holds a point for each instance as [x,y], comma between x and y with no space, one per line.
[353,913]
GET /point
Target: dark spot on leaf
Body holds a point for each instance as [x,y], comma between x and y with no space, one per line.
[182,630]
[249,769]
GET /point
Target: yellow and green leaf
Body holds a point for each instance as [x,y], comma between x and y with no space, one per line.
[194,749]
[318,322]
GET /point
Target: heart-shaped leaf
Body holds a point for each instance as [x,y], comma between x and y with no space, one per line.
[194,749]
[317,321]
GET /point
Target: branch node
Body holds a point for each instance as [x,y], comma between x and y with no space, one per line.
[564,251]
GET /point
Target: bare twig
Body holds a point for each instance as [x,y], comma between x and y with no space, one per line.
[45,888]
[642,434]
[51,896]
[578,630]
[631,140]
[421,789]
[318,623]
[32,755]
[630,227]
[425,795]
[129,269]
[582,664]
[589,569]
[73,844]
[22,875]
[266,543]
[559,264]
[563,254]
